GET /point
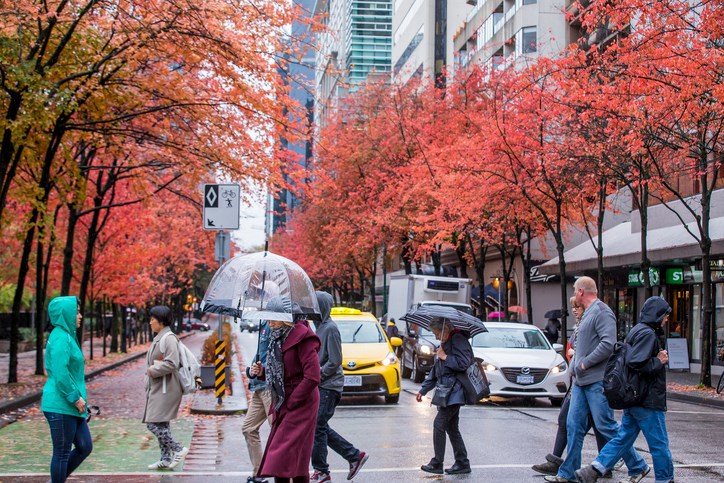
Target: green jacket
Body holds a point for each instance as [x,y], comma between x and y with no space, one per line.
[63,360]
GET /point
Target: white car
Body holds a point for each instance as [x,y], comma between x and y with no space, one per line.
[520,362]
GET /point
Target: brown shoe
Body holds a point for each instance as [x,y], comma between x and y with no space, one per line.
[550,467]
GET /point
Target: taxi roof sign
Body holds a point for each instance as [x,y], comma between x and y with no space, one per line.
[345,311]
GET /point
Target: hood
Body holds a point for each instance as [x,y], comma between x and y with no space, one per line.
[62,312]
[364,354]
[503,357]
[325,302]
[653,311]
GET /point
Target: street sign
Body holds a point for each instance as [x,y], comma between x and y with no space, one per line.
[221,206]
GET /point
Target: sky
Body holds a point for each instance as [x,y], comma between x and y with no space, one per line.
[251,227]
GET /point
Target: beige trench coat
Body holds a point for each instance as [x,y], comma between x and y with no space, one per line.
[163,388]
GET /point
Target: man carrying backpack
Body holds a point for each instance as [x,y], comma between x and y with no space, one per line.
[645,356]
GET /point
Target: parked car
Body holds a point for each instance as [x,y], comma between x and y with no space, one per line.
[368,358]
[418,352]
[520,362]
[196,324]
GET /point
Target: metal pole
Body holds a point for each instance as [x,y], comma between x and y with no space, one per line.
[220,369]
[384,279]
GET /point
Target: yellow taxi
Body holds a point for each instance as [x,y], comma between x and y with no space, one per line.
[370,365]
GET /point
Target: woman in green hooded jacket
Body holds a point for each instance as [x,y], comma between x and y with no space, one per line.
[64,395]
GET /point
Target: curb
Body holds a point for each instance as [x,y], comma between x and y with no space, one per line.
[702,401]
[29,399]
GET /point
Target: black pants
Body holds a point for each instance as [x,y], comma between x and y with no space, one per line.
[562,435]
[447,422]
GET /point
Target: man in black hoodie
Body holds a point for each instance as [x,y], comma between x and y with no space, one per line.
[646,356]
[331,383]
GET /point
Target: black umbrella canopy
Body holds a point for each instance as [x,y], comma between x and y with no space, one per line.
[460,320]
[553,314]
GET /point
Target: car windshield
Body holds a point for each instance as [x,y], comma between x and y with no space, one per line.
[511,338]
[360,331]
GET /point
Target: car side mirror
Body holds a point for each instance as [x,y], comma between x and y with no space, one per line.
[395,341]
[558,348]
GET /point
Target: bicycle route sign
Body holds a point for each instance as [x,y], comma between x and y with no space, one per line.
[221,206]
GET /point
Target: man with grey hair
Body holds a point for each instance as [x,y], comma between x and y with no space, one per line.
[594,345]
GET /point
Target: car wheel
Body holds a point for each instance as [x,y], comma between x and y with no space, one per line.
[417,375]
[392,399]
[557,401]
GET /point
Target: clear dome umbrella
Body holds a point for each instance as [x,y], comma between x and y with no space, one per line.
[245,285]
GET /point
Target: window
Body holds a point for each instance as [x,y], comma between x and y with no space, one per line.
[530,40]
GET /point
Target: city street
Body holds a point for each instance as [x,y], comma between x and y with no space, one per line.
[504,438]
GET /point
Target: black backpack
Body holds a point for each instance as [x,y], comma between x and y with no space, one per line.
[623,386]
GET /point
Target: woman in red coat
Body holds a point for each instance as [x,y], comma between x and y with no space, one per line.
[292,373]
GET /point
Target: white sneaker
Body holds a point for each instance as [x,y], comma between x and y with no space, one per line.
[160,465]
[619,464]
[636,478]
[177,457]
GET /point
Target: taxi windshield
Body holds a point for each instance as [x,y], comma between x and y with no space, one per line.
[360,331]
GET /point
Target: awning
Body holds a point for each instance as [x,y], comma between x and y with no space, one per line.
[622,248]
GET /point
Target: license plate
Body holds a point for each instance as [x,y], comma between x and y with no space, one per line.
[524,379]
[352,380]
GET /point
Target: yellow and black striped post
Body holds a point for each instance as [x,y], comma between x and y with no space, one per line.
[220,371]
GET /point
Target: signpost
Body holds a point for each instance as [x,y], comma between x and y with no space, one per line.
[221,212]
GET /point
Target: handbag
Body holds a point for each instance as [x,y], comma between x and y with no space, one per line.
[442,394]
[475,383]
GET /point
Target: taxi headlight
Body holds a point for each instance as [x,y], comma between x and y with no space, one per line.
[390,359]
[425,349]
[560,368]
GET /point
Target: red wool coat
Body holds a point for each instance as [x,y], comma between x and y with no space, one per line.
[289,447]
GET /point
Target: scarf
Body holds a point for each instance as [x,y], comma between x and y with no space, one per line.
[275,364]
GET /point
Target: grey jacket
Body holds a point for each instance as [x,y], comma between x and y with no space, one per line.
[594,343]
[163,388]
[330,351]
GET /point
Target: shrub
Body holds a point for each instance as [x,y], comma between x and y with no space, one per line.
[208,351]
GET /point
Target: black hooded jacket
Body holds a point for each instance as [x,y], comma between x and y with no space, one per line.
[645,346]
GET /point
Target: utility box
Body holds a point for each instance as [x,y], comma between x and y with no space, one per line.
[409,291]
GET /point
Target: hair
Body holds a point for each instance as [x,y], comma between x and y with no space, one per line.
[163,314]
[587,284]
[439,323]
[574,303]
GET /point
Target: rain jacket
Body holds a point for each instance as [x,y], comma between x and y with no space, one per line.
[459,357]
[330,352]
[255,383]
[163,388]
[645,346]
[64,361]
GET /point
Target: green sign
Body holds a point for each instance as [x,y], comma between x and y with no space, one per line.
[636,277]
[674,276]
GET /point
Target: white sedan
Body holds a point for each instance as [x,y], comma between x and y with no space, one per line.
[520,362]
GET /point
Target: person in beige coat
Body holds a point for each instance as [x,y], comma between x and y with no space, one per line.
[163,389]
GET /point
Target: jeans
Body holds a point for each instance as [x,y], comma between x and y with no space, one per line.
[258,412]
[447,421]
[325,436]
[590,401]
[72,444]
[653,424]
[562,433]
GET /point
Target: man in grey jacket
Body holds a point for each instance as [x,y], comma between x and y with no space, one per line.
[594,345]
[331,384]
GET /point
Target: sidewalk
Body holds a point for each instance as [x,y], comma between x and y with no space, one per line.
[684,387]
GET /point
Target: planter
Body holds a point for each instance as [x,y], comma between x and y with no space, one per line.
[208,378]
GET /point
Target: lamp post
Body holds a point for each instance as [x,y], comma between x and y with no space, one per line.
[496,286]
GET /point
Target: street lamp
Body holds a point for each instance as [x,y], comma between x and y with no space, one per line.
[496,286]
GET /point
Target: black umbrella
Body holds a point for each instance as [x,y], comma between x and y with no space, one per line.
[553,314]
[460,320]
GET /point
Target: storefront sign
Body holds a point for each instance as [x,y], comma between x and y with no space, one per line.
[674,276]
[678,353]
[636,277]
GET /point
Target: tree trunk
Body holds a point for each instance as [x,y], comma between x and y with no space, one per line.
[114,327]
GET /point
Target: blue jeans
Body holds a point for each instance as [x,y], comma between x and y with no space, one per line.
[325,436]
[653,424]
[66,432]
[589,401]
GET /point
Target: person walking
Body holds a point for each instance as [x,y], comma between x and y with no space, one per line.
[551,330]
[292,374]
[454,356]
[163,389]
[554,459]
[64,401]
[647,357]
[330,392]
[594,345]
[259,406]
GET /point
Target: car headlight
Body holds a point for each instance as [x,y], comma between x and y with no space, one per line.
[489,368]
[560,368]
[425,349]
[390,359]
